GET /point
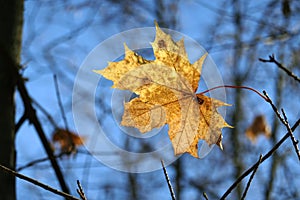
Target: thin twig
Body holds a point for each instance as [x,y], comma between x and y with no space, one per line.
[205,196]
[269,154]
[284,121]
[80,191]
[70,140]
[43,110]
[273,60]
[168,181]
[20,122]
[34,162]
[37,183]
[60,103]
[292,136]
[251,178]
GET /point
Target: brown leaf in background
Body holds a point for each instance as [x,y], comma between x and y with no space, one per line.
[67,140]
[258,127]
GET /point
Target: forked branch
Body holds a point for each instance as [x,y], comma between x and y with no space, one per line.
[287,71]
[285,122]
[269,154]
[80,191]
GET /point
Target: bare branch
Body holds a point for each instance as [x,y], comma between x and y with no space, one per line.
[60,102]
[168,181]
[34,162]
[32,117]
[288,127]
[80,191]
[37,183]
[205,196]
[43,110]
[71,142]
[285,123]
[273,60]
[251,178]
[20,122]
[269,154]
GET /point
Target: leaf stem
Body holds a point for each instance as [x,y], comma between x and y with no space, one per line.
[236,87]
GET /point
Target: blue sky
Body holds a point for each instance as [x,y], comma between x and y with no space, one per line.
[58,37]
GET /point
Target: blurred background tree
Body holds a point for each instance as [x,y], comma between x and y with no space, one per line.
[11,22]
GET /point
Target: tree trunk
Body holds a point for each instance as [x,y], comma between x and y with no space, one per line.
[11,21]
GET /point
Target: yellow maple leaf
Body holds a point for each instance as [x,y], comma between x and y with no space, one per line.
[166,90]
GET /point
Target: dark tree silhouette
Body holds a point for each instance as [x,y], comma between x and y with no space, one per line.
[11,23]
